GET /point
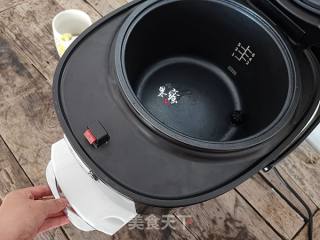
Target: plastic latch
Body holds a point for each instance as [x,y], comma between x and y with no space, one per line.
[89,136]
[96,134]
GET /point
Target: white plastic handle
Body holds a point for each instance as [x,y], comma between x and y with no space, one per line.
[72,216]
[95,203]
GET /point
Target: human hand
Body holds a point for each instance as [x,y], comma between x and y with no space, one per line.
[26,212]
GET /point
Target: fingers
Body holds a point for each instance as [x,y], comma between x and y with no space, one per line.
[53,206]
[59,214]
[37,192]
[47,197]
[41,191]
[55,222]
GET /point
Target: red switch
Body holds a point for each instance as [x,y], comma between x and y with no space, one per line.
[89,136]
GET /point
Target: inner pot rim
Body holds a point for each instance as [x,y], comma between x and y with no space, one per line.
[143,114]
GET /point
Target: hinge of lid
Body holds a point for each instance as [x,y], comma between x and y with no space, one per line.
[280,18]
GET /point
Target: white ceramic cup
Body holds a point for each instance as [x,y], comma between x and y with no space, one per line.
[66,26]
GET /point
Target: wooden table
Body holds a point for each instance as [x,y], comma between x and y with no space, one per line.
[257,209]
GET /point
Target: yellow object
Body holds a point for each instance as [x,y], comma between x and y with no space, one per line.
[61,49]
[66,37]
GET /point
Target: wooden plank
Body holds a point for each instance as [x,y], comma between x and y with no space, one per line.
[303,166]
[56,234]
[28,25]
[6,4]
[106,6]
[12,177]
[303,235]
[82,5]
[271,206]
[29,126]
[27,121]
[227,217]
[274,180]
[15,79]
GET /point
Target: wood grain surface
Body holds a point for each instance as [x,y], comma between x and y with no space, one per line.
[6,4]
[303,235]
[280,187]
[271,206]
[303,166]
[227,217]
[106,6]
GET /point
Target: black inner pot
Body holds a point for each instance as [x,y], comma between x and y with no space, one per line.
[207,70]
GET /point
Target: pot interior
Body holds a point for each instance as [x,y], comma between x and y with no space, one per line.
[206,69]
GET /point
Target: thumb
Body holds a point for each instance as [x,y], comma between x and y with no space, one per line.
[53,223]
[53,206]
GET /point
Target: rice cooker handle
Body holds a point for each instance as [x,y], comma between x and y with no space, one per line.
[72,216]
[96,203]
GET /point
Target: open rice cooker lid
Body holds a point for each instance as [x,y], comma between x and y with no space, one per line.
[127,153]
[311,5]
